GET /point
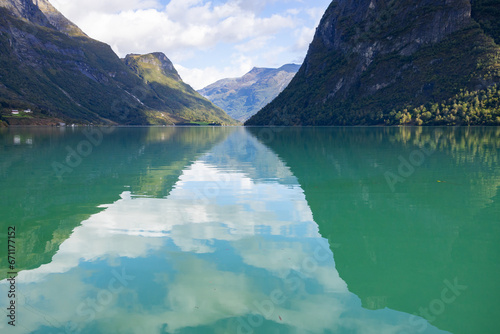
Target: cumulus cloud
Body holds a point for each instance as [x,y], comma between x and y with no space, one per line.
[142,26]
[186,30]
[254,44]
[76,9]
[202,77]
[315,13]
[303,37]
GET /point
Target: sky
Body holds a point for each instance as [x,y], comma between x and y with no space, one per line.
[206,40]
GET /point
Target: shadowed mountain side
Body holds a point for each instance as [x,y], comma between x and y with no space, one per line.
[373,62]
[51,69]
[148,163]
[397,248]
[71,78]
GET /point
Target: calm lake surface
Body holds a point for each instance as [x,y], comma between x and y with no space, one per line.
[258,230]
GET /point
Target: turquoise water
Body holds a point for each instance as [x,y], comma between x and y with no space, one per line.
[258,230]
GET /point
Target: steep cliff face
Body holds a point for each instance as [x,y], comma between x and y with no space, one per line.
[486,13]
[371,56]
[242,97]
[364,30]
[25,9]
[57,20]
[48,65]
[72,79]
[41,12]
[390,25]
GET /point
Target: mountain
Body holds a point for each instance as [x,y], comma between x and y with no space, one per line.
[48,65]
[242,97]
[375,62]
[178,98]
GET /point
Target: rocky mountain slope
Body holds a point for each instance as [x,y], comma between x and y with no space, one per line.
[178,98]
[48,65]
[397,62]
[242,97]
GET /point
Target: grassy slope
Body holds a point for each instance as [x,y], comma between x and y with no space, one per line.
[438,84]
[56,75]
[80,80]
[180,99]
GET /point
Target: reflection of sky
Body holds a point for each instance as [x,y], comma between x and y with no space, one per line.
[218,249]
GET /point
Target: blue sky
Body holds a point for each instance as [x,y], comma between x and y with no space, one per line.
[206,40]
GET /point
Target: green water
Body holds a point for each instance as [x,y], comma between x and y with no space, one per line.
[258,230]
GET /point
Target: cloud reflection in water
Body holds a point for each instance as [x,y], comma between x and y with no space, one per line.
[201,263]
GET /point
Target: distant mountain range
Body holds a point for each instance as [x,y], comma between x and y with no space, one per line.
[418,62]
[50,67]
[242,97]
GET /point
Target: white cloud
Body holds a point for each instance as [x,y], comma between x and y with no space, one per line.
[271,56]
[315,13]
[75,9]
[195,33]
[254,44]
[255,5]
[141,27]
[303,37]
[293,11]
[199,78]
